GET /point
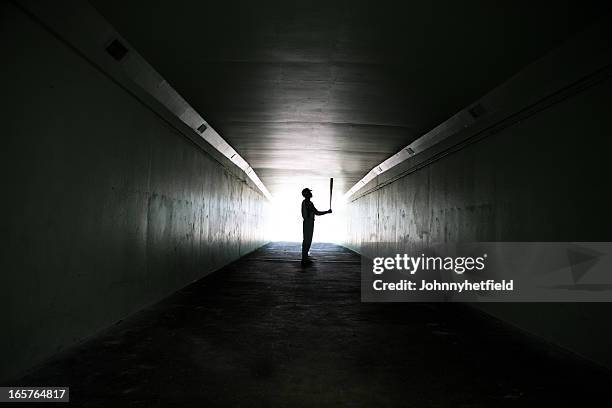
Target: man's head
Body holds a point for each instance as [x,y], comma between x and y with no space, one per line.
[307,193]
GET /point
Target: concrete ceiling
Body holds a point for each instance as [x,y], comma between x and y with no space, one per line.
[309,90]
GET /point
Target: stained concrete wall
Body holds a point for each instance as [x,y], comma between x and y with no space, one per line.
[544,178]
[106,206]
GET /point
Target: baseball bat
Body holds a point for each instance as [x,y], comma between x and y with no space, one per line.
[331,190]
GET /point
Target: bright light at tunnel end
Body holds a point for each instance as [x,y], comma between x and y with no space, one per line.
[285,221]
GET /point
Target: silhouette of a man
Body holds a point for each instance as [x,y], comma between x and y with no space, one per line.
[308,214]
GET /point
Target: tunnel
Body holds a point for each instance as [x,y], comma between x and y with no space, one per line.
[167,163]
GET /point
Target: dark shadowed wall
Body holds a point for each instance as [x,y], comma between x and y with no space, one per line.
[544,178]
[107,206]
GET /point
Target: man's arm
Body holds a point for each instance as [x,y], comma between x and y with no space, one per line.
[317,212]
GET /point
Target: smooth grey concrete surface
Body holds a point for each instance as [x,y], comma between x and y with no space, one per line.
[107,208]
[265,332]
[541,179]
[319,89]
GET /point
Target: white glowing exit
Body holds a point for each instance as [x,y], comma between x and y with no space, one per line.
[286,218]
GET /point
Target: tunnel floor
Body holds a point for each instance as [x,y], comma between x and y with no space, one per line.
[264,331]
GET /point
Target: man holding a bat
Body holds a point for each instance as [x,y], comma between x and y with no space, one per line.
[308,214]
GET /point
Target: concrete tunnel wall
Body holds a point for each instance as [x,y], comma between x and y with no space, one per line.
[541,179]
[107,206]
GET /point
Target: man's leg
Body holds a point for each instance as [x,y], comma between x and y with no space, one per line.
[307,230]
